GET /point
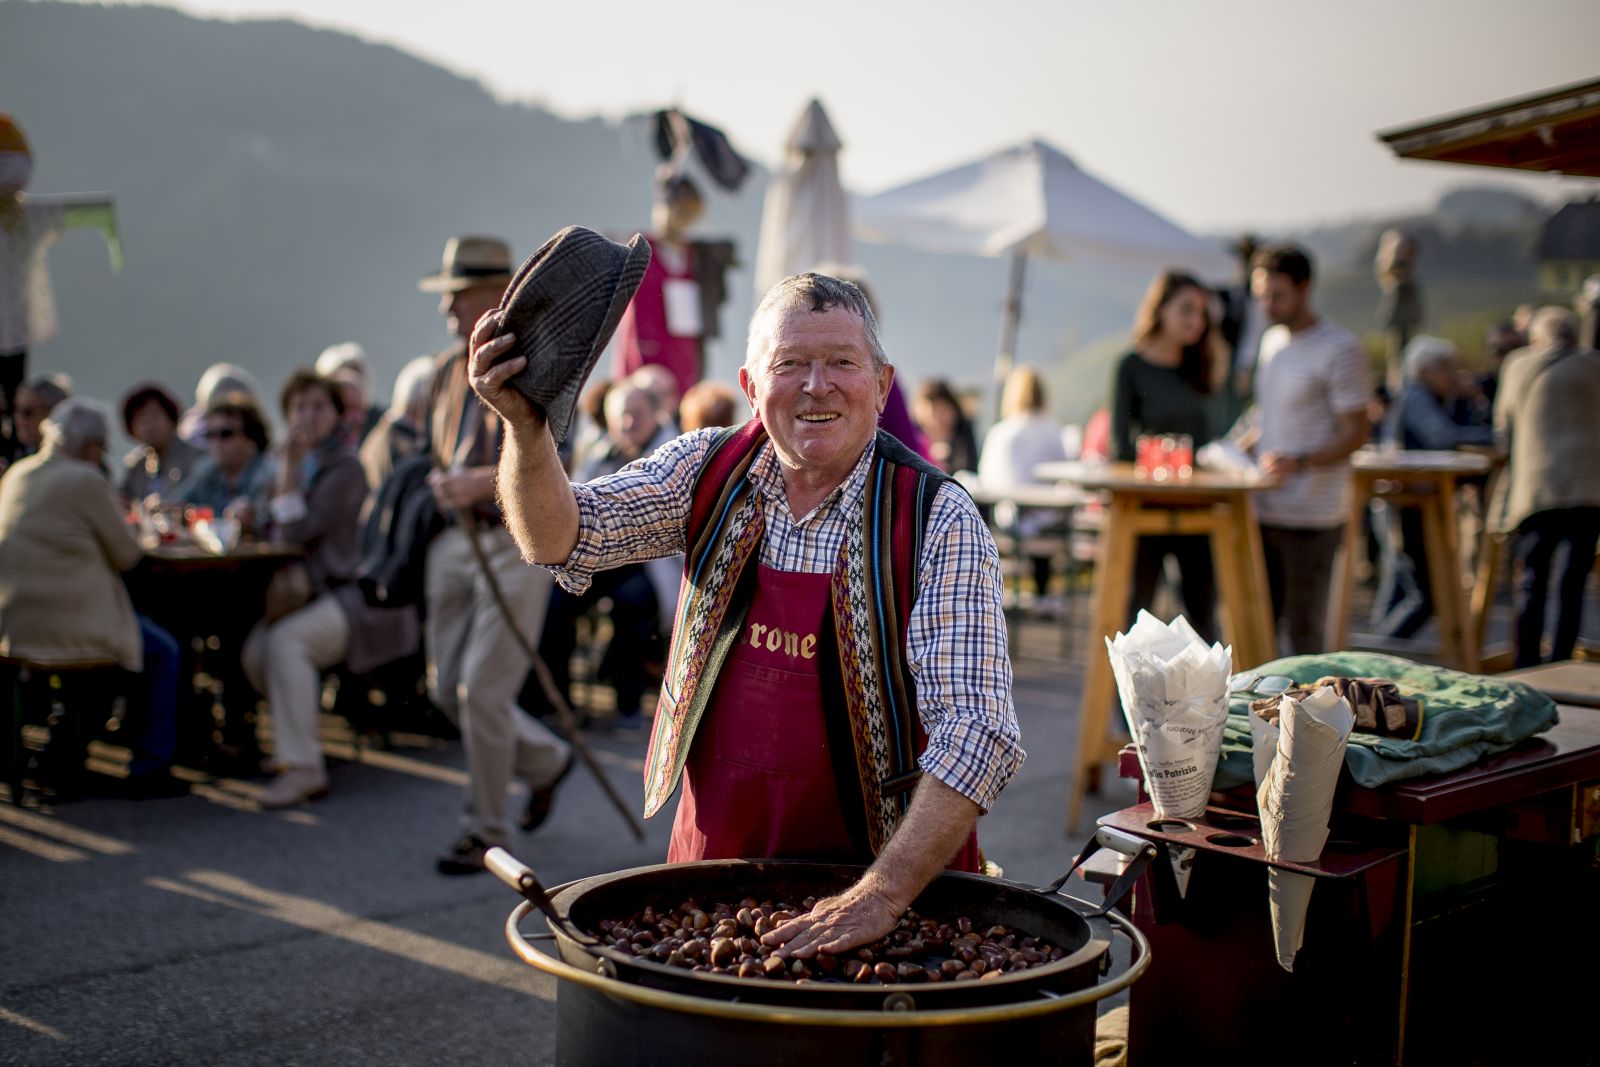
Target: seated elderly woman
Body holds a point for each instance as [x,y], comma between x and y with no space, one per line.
[1435,380]
[161,460]
[63,544]
[237,471]
[316,501]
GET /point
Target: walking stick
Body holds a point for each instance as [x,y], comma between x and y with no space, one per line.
[558,700]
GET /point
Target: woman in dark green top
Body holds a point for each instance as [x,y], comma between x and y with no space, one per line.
[1164,386]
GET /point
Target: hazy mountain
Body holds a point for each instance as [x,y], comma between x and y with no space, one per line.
[281,188]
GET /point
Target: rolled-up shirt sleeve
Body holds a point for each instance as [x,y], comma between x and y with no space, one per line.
[636,514]
[956,646]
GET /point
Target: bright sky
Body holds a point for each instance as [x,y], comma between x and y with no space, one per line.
[1240,112]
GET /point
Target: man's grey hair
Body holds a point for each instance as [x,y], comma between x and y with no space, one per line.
[1552,327]
[812,292]
[77,423]
[1423,352]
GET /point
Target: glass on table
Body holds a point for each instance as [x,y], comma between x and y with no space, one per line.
[1183,456]
[1147,455]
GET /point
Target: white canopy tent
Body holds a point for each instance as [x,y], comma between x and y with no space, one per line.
[1031,201]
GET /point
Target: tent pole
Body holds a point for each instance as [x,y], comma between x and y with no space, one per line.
[1010,316]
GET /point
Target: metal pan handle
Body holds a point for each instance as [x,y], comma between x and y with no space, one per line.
[519,876]
[1137,849]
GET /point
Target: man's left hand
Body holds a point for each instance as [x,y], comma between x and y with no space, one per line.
[858,916]
[461,488]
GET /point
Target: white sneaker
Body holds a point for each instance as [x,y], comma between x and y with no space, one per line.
[295,786]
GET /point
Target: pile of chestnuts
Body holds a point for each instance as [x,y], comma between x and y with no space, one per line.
[726,939]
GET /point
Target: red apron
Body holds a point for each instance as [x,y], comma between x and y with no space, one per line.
[759,781]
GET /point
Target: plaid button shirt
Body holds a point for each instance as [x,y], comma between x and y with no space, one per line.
[956,639]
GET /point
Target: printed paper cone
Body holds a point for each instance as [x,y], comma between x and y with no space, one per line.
[1179,760]
[1290,897]
[1173,689]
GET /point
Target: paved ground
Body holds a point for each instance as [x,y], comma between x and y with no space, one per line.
[201,930]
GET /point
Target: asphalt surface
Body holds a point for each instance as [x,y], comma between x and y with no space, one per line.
[203,930]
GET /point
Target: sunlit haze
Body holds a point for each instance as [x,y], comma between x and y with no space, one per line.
[1248,112]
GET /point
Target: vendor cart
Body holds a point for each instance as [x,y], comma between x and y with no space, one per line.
[1456,920]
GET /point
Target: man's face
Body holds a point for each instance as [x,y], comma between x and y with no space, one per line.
[230,449]
[816,390]
[464,308]
[1281,299]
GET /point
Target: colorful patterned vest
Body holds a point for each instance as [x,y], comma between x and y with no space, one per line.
[874,732]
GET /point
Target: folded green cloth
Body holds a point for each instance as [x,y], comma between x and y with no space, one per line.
[1469,717]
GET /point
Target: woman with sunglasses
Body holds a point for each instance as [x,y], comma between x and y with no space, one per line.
[237,472]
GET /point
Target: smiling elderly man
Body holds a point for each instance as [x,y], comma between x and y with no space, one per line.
[838,686]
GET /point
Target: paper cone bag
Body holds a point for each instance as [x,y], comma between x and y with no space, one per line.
[1296,800]
[1174,696]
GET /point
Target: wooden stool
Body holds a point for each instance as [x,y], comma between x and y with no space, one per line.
[1214,505]
[15,671]
[1427,481]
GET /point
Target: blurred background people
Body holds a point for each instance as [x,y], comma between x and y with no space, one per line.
[219,379]
[237,470]
[1025,437]
[161,460]
[1313,388]
[402,431]
[63,546]
[1500,341]
[346,363]
[633,429]
[709,403]
[35,400]
[316,501]
[1165,386]
[1547,417]
[937,409]
[662,386]
[1436,380]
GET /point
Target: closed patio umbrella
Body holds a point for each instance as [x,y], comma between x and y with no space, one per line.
[806,218]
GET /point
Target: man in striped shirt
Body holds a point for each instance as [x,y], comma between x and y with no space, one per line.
[1313,384]
[816,376]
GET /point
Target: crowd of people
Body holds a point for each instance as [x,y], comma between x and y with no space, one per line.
[398,550]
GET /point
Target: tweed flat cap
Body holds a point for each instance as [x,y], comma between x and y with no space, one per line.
[564,304]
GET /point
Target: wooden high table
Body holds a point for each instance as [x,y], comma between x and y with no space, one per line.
[1217,506]
[1425,480]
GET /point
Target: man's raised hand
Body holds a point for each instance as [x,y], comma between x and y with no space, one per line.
[490,379]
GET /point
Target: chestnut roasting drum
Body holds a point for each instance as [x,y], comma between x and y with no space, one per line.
[1039,963]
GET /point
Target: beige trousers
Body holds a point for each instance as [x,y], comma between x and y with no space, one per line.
[476,667]
[285,661]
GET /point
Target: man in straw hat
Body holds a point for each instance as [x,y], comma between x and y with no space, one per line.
[475,662]
[838,686]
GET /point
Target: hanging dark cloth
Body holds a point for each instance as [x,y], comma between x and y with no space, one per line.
[709,144]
